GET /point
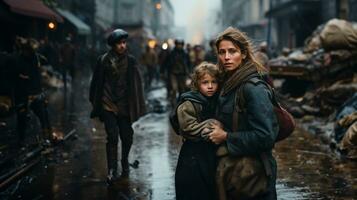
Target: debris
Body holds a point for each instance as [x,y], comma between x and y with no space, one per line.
[135,164]
[16,173]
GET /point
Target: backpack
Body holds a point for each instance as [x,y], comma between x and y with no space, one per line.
[173,114]
[285,119]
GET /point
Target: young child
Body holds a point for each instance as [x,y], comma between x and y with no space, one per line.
[196,167]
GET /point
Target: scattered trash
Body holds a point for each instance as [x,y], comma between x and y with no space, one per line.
[135,164]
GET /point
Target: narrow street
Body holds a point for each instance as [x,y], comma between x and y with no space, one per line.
[77,168]
[50,148]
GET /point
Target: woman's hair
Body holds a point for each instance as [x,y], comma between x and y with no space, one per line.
[241,40]
[202,69]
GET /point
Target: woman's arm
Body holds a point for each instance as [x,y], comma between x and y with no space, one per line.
[262,132]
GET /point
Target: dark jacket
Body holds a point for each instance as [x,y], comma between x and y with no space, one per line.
[196,166]
[178,62]
[257,125]
[135,91]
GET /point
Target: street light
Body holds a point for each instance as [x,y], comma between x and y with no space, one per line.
[164,46]
[51,25]
[152,43]
[158,6]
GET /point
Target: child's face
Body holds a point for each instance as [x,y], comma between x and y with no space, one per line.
[208,85]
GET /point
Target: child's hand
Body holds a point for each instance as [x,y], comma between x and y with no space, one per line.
[205,134]
[218,135]
[206,131]
[216,122]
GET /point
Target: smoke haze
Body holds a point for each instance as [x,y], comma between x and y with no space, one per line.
[198,19]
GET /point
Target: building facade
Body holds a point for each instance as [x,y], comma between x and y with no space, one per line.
[104,14]
[165,20]
[294,20]
[247,15]
[144,20]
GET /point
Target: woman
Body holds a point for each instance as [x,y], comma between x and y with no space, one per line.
[246,168]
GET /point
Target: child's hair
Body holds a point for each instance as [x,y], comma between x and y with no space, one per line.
[200,70]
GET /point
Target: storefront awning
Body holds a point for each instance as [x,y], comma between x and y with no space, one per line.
[33,8]
[82,28]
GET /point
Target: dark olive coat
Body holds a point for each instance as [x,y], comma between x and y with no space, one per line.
[135,90]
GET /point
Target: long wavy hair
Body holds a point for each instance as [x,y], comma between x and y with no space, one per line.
[240,40]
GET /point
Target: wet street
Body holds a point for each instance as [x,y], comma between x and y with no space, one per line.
[77,169]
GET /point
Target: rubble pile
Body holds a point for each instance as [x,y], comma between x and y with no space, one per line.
[331,43]
[329,61]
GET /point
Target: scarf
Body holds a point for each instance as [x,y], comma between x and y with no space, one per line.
[237,77]
[118,62]
[114,94]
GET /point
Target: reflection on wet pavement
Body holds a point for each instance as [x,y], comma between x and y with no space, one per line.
[312,170]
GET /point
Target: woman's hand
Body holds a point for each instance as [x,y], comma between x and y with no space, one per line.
[206,131]
[218,135]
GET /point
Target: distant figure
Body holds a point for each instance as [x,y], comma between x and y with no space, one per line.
[189,49]
[48,49]
[117,98]
[197,55]
[149,59]
[262,57]
[29,91]
[178,68]
[211,54]
[262,54]
[164,68]
[67,60]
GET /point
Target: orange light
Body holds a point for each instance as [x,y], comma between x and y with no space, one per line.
[158,6]
[51,25]
[151,43]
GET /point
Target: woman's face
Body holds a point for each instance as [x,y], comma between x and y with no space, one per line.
[229,55]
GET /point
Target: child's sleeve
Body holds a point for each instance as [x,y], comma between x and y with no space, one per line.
[188,120]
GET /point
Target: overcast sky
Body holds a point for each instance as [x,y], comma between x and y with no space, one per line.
[198,17]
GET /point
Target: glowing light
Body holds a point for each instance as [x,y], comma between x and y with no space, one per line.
[152,43]
[171,42]
[158,6]
[164,46]
[51,25]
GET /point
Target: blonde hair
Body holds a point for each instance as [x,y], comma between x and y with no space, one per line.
[240,40]
[202,69]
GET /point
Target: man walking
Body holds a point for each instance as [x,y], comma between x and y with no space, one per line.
[178,66]
[117,98]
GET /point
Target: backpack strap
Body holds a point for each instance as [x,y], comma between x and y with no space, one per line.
[236,110]
[241,102]
[255,81]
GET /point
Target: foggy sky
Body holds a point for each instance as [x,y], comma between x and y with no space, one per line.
[198,17]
